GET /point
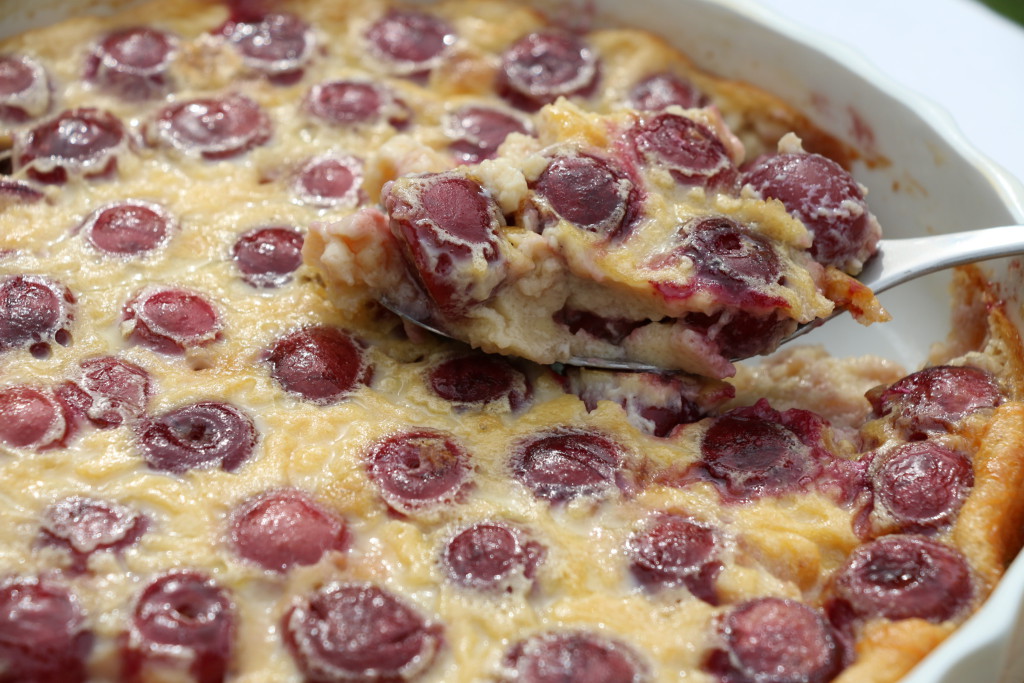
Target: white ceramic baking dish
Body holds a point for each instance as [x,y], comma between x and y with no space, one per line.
[935,182]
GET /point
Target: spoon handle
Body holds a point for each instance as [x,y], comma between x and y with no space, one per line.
[901,260]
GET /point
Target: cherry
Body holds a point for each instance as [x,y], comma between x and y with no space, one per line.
[320,364]
[82,142]
[214,128]
[107,391]
[24,89]
[936,398]
[676,550]
[169,320]
[350,103]
[18,192]
[573,657]
[448,225]
[903,577]
[565,464]
[749,457]
[489,556]
[278,530]
[43,638]
[408,42]
[477,380]
[128,228]
[775,640]
[825,198]
[542,66]
[728,260]
[689,150]
[359,632]
[32,418]
[197,436]
[278,44]
[132,62]
[268,256]
[330,180]
[739,334]
[662,90]
[922,484]
[477,131]
[34,310]
[182,621]
[83,526]
[419,469]
[590,193]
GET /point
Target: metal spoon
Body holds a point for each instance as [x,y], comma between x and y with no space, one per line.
[897,261]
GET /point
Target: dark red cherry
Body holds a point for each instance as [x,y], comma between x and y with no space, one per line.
[278,530]
[904,577]
[268,256]
[213,127]
[24,89]
[409,42]
[673,551]
[31,418]
[561,465]
[278,44]
[572,657]
[739,334]
[936,398]
[749,457]
[81,142]
[689,150]
[107,391]
[477,131]
[132,62]
[447,225]
[128,228]
[359,632]
[490,556]
[183,628]
[330,180]
[419,469]
[349,103]
[775,640]
[34,311]
[476,380]
[320,364]
[590,193]
[825,198]
[921,485]
[729,261]
[43,637]
[18,192]
[83,526]
[662,90]
[170,320]
[197,436]
[542,66]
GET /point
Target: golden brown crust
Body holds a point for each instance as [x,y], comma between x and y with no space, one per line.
[889,650]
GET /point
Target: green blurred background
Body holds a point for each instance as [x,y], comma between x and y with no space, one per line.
[1014,9]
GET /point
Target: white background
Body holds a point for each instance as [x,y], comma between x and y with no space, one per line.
[957,53]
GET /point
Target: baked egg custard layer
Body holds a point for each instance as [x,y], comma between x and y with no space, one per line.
[223,460]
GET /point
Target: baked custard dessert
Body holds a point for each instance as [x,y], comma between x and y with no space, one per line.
[222,460]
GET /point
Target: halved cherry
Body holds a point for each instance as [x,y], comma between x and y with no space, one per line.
[320,364]
[662,90]
[477,131]
[132,62]
[32,418]
[213,127]
[489,556]
[448,225]
[590,193]
[568,463]
[330,180]
[542,66]
[409,42]
[81,142]
[419,470]
[572,657]
[128,227]
[477,380]
[197,436]
[83,526]
[689,150]
[278,44]
[351,103]
[43,634]
[24,88]
[921,485]
[676,550]
[107,391]
[268,256]
[171,320]
[35,310]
